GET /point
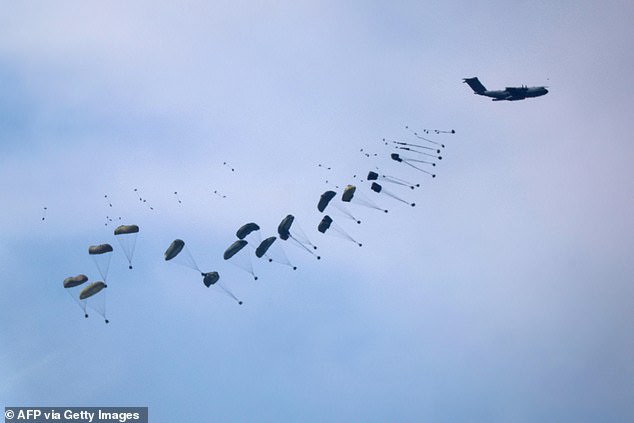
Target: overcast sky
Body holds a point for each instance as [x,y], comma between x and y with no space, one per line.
[505,295]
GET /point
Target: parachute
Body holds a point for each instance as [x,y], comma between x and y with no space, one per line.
[100,249]
[379,189]
[283,229]
[211,279]
[174,249]
[324,224]
[350,194]
[424,155]
[264,247]
[373,176]
[408,146]
[325,200]
[126,235]
[427,131]
[241,260]
[71,285]
[234,248]
[179,252]
[247,229]
[329,225]
[73,281]
[92,290]
[297,235]
[273,252]
[101,255]
[396,157]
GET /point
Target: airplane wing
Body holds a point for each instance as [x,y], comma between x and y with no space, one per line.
[516,93]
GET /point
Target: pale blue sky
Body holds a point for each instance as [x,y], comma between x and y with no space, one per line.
[504,295]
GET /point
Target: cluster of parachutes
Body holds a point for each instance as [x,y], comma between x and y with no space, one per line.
[240,252]
[93,294]
[422,156]
[249,244]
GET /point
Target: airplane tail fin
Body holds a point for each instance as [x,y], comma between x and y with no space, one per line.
[475,85]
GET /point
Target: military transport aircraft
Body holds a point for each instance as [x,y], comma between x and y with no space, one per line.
[509,93]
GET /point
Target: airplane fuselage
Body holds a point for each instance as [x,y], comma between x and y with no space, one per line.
[509,93]
[518,94]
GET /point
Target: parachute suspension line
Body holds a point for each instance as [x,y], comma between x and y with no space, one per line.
[246,265]
[80,303]
[418,168]
[132,252]
[361,199]
[283,259]
[76,300]
[240,256]
[301,236]
[399,181]
[392,179]
[98,303]
[348,237]
[129,251]
[249,269]
[192,263]
[230,294]
[300,244]
[347,213]
[329,226]
[374,206]
[423,138]
[104,307]
[397,198]
[420,152]
[103,265]
[279,256]
[420,161]
[426,147]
